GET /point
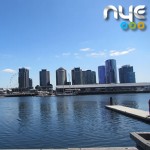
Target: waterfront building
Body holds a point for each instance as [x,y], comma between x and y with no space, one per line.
[44,78]
[111,71]
[101,74]
[126,74]
[61,76]
[84,75]
[30,83]
[76,76]
[93,76]
[88,77]
[23,78]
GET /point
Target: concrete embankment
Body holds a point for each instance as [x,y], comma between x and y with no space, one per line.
[102,148]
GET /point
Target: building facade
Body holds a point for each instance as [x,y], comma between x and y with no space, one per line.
[44,78]
[93,76]
[101,74]
[84,76]
[88,77]
[30,83]
[61,76]
[23,78]
[126,74]
[111,71]
[76,76]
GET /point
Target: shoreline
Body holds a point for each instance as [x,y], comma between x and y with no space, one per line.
[64,94]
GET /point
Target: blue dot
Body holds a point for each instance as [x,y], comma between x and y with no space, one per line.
[124,26]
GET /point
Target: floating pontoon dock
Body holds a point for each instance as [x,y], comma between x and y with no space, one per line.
[131,112]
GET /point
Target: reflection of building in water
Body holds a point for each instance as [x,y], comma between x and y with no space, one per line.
[129,103]
[126,100]
[62,109]
[65,110]
[45,108]
[85,108]
[24,112]
[45,114]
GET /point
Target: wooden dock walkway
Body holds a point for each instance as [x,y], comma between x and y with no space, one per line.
[131,112]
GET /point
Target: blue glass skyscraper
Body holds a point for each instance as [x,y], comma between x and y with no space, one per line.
[101,75]
[111,71]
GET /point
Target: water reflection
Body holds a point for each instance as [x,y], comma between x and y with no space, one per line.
[127,100]
[25,109]
[73,121]
[45,113]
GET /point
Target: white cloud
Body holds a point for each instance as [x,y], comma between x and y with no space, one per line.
[96,54]
[85,49]
[66,54]
[9,70]
[118,53]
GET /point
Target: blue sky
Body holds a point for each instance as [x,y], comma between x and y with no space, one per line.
[48,34]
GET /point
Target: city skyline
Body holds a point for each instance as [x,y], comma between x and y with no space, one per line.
[53,34]
[105,75]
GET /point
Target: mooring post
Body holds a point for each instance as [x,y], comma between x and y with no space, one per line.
[111,101]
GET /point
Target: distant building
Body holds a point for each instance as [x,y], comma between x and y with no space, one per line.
[61,76]
[93,76]
[84,76]
[30,83]
[111,71]
[101,75]
[23,78]
[44,77]
[88,77]
[126,74]
[76,76]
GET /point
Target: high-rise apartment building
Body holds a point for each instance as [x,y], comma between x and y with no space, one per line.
[93,77]
[111,71]
[101,74]
[30,83]
[44,78]
[76,76]
[84,76]
[126,74]
[23,78]
[61,76]
[88,77]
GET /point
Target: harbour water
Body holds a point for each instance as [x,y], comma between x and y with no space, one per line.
[68,121]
